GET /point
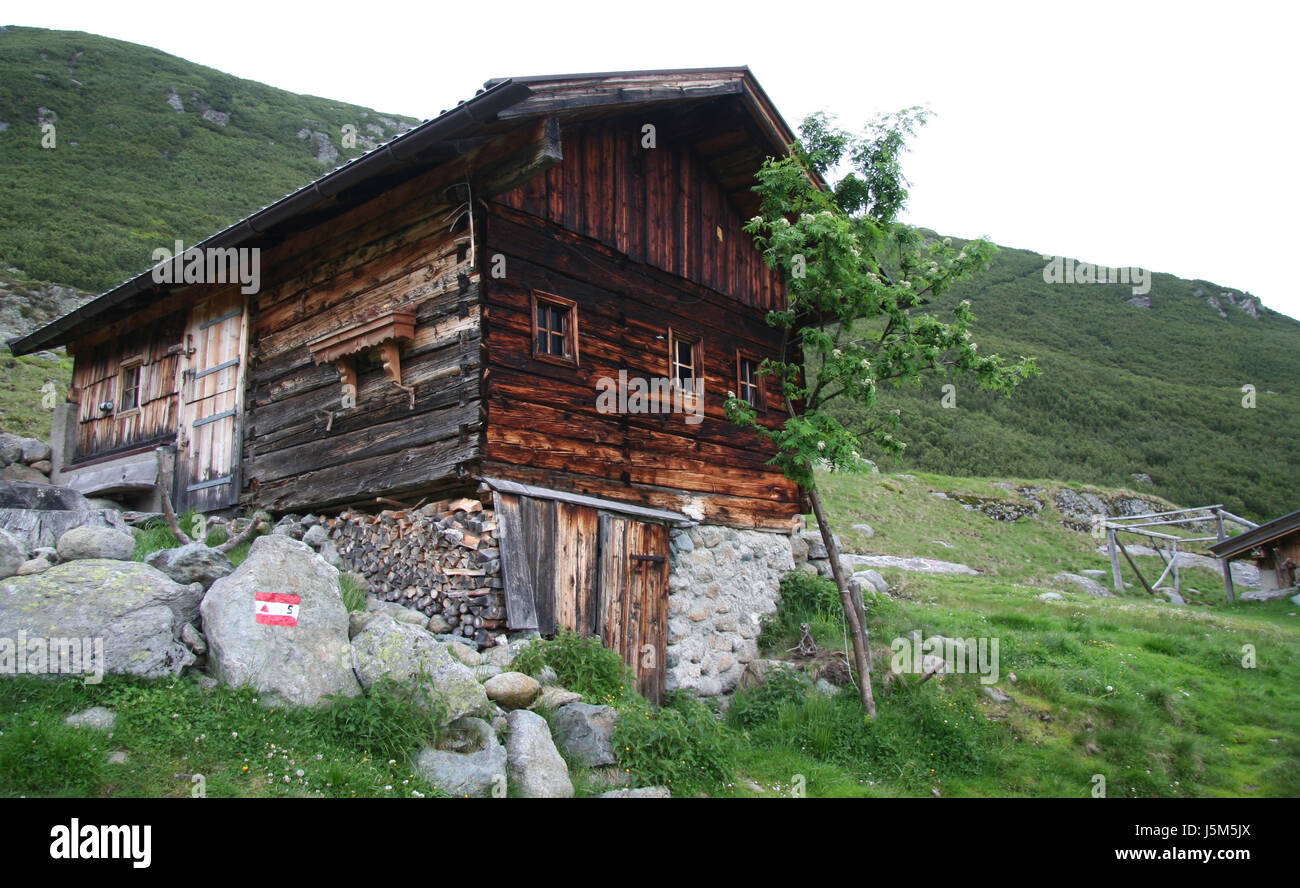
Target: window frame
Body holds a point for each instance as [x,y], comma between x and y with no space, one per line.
[759,382]
[697,355]
[137,364]
[570,306]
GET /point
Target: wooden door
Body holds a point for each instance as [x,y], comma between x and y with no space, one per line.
[633,607]
[208,440]
[573,567]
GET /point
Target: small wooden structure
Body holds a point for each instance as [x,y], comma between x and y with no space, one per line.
[1166,544]
[1275,548]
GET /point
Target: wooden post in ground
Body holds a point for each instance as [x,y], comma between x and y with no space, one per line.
[1227,565]
[1178,589]
[1115,574]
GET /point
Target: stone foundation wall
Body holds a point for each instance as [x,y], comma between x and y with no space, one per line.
[721,583]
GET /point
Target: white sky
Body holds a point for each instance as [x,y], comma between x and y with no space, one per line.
[1148,134]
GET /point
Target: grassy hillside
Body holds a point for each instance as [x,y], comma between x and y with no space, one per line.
[1124,390]
[129,171]
[1154,697]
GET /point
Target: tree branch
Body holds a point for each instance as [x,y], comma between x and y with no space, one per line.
[170,516]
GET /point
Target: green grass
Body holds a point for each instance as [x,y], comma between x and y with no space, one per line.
[30,386]
[1153,697]
[156,534]
[171,731]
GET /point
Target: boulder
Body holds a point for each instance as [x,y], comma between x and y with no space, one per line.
[290,664]
[45,497]
[34,450]
[868,579]
[11,448]
[192,563]
[135,609]
[36,565]
[96,717]
[466,654]
[96,542]
[1091,586]
[41,528]
[315,536]
[25,474]
[513,690]
[484,671]
[330,553]
[12,555]
[534,766]
[403,652]
[194,640]
[398,612]
[469,760]
[586,733]
[438,625]
[554,696]
[757,672]
[816,548]
[644,792]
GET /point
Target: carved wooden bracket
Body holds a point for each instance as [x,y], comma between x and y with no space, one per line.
[384,332]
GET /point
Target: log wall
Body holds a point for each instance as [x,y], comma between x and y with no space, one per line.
[658,206]
[302,446]
[95,377]
[543,425]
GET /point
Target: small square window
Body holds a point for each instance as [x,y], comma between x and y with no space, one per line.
[555,328]
[749,384]
[685,358]
[129,379]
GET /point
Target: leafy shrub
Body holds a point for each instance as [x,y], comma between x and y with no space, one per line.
[759,704]
[582,665]
[680,745]
[388,721]
[805,598]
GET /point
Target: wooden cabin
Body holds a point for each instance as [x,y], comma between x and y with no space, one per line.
[1274,548]
[437,315]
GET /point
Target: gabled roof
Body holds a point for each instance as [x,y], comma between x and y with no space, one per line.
[1242,543]
[490,112]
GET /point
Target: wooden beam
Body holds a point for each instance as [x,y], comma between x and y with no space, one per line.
[1116,577]
[1163,514]
[1136,569]
[1250,525]
[502,486]
[535,158]
[1225,563]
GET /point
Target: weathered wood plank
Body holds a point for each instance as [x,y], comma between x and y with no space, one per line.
[516,568]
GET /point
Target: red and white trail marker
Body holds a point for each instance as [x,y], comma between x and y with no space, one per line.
[276,608]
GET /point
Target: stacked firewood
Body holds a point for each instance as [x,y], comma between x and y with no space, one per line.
[441,559]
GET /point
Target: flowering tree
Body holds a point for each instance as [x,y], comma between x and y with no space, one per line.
[857,281]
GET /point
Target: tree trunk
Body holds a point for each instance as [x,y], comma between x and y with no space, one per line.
[857,625]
